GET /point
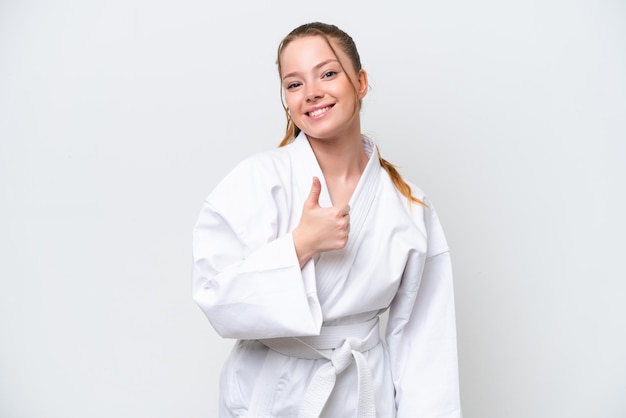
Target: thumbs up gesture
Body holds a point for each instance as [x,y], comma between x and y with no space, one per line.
[320,229]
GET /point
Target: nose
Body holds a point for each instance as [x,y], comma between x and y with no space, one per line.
[313,92]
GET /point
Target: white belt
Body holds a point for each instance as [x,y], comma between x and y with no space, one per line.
[348,342]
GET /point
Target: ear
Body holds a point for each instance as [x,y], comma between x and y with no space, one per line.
[363,86]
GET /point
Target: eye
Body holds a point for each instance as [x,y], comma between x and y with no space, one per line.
[293,85]
[329,74]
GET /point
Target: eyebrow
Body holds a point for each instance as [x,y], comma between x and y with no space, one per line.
[321,64]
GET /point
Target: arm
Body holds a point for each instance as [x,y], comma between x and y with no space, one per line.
[421,334]
[246,294]
[246,276]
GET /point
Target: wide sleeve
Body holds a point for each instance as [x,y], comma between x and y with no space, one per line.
[421,333]
[246,277]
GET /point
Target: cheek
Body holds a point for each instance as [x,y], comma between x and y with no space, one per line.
[345,91]
[292,104]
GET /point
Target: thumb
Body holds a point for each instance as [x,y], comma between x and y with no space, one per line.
[314,194]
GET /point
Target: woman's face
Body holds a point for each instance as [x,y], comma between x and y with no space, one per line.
[319,94]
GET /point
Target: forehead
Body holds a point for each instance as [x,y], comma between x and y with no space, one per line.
[302,54]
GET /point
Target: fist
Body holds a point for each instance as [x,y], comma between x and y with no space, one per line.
[320,229]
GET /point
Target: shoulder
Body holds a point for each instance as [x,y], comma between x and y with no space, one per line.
[253,194]
[426,215]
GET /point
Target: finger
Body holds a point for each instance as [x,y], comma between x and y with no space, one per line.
[314,194]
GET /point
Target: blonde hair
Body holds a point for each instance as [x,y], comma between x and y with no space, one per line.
[346,43]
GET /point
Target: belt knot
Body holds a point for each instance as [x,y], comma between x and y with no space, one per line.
[342,357]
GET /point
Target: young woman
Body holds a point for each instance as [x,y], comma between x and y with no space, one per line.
[300,249]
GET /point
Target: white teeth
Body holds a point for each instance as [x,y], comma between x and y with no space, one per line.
[319,111]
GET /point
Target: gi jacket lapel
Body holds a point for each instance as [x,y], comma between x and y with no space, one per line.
[305,166]
[333,267]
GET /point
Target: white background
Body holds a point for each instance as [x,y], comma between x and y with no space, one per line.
[117,118]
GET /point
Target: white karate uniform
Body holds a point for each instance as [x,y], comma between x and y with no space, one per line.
[248,282]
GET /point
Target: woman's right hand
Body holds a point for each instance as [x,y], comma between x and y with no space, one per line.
[320,229]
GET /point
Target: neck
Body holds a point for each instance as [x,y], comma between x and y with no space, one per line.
[340,159]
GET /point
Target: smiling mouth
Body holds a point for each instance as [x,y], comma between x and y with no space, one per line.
[318,112]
